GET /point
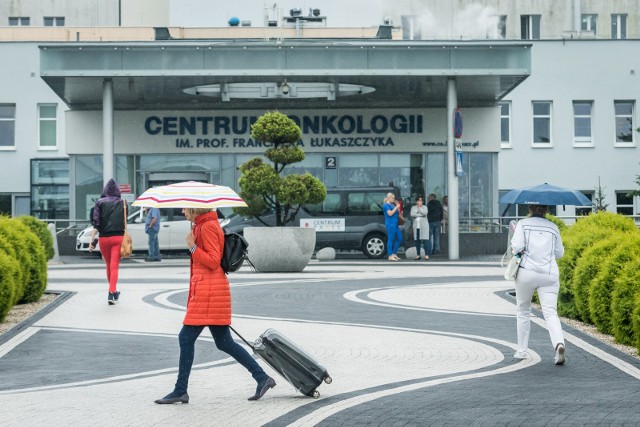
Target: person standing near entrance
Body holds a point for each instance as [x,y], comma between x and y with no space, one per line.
[539,244]
[108,219]
[435,222]
[209,305]
[152,228]
[419,214]
[391,210]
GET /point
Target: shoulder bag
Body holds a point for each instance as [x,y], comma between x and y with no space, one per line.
[512,267]
[126,249]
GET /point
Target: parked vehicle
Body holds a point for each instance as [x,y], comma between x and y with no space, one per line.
[349,218]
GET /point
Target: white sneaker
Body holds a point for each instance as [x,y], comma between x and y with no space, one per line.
[559,358]
[520,355]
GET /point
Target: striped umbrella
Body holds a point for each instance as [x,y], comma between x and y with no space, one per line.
[189,194]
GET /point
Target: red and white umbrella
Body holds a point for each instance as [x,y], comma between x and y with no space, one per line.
[190,194]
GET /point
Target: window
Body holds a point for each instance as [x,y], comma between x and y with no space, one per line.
[530,27]
[7,126]
[624,203]
[50,188]
[19,21]
[497,27]
[47,118]
[624,122]
[619,26]
[589,23]
[585,210]
[54,21]
[505,124]
[541,123]
[582,122]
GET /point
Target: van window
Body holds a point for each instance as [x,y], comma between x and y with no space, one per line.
[330,206]
[365,203]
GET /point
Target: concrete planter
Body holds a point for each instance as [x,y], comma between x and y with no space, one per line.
[280,249]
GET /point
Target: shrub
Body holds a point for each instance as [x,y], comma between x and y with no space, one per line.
[12,244]
[558,222]
[30,254]
[42,232]
[587,268]
[9,277]
[576,239]
[602,285]
[624,302]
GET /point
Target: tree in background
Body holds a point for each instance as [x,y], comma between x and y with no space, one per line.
[599,197]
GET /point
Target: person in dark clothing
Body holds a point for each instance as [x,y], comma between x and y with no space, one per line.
[107,218]
[434,217]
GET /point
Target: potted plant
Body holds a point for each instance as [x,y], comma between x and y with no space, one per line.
[269,192]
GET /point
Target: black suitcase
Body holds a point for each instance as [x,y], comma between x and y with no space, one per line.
[294,364]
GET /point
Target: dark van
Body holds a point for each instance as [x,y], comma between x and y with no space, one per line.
[349,218]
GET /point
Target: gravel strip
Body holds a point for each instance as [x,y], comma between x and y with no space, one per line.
[21,312]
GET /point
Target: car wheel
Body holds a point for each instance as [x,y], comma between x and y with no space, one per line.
[374,245]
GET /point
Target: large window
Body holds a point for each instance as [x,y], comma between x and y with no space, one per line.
[582,123]
[585,210]
[542,123]
[619,26]
[47,119]
[50,188]
[505,124]
[19,21]
[7,126]
[530,27]
[624,203]
[624,122]
[53,21]
[589,23]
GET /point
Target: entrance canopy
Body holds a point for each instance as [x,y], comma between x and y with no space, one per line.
[283,74]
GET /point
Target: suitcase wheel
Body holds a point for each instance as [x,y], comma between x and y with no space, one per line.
[328,380]
[316,394]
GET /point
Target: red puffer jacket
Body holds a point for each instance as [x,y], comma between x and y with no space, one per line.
[209,300]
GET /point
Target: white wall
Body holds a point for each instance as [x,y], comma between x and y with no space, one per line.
[77,13]
[601,71]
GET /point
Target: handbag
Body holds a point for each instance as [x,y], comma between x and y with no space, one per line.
[512,267]
[126,248]
[401,220]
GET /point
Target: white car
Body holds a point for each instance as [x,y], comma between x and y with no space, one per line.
[172,237]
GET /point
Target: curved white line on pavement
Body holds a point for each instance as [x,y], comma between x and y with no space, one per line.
[325,412]
[354,296]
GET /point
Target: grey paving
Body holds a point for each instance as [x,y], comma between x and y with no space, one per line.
[407,344]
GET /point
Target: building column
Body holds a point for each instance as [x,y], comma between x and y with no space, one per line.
[452,178]
[108,170]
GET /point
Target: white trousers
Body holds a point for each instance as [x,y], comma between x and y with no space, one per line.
[548,286]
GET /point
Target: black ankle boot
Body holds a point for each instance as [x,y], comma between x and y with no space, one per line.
[263,387]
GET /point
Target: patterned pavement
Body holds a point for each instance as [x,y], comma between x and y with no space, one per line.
[407,344]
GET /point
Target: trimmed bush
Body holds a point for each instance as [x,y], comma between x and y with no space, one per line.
[602,285]
[587,268]
[30,254]
[12,244]
[624,302]
[41,230]
[576,239]
[558,222]
[9,277]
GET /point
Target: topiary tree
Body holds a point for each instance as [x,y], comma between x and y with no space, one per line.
[42,232]
[602,285]
[12,244]
[9,277]
[263,186]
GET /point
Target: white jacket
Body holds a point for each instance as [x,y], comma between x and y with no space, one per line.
[540,242]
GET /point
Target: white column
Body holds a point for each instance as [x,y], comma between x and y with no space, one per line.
[577,16]
[108,170]
[452,178]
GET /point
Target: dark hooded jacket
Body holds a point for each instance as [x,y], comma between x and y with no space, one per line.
[108,213]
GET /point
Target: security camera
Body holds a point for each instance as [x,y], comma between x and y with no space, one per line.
[284,89]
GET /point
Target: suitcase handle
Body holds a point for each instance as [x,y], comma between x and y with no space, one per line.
[242,338]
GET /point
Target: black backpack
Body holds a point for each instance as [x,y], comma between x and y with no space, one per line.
[234,253]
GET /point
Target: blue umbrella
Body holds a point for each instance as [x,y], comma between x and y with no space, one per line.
[545,194]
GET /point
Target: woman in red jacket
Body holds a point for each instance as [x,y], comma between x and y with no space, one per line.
[209,304]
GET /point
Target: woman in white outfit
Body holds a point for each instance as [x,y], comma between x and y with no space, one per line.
[420,227]
[538,241]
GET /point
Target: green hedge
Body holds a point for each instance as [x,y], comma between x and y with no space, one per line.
[42,231]
[577,238]
[18,242]
[603,284]
[625,304]
[9,280]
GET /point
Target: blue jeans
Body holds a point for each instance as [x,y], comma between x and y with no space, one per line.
[222,337]
[394,239]
[434,236]
[154,246]
[427,244]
